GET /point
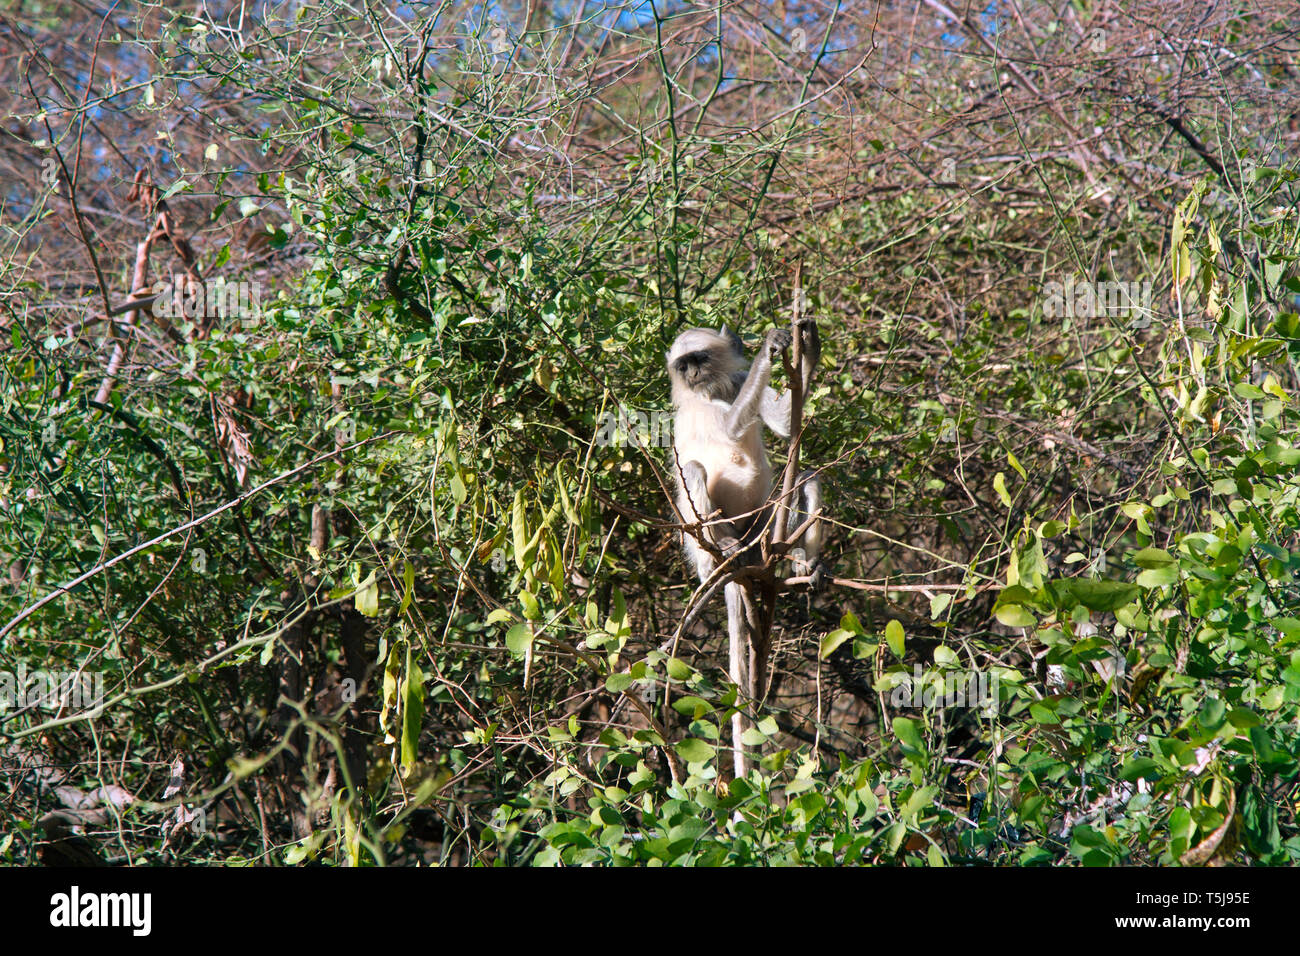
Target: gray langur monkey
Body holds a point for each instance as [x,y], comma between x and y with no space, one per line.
[719,401]
[724,479]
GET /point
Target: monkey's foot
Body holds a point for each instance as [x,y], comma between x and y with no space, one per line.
[728,545]
[818,575]
[810,341]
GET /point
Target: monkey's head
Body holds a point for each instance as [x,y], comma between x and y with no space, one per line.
[707,363]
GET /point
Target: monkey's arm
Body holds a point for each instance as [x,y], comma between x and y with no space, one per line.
[751,399]
[775,409]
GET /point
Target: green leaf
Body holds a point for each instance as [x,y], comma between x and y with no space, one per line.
[908,733]
[939,603]
[1141,768]
[1017,466]
[1095,595]
[1153,558]
[1243,719]
[1133,509]
[616,623]
[1181,828]
[412,712]
[532,611]
[1158,577]
[366,599]
[831,641]
[678,669]
[519,529]
[458,491]
[518,639]
[921,799]
[1212,714]
[616,683]
[1000,486]
[695,750]
[862,649]
[1282,455]
[408,588]
[894,637]
[850,623]
[692,707]
[1013,615]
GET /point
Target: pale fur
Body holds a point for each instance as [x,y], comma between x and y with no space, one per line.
[712,435]
[720,464]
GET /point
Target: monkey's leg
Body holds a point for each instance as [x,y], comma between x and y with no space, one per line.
[805,558]
[698,505]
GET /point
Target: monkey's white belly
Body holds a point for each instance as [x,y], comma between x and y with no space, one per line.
[739,476]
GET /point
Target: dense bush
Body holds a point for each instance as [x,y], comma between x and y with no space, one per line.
[370,577]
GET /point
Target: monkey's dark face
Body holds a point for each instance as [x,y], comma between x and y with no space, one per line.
[707,363]
[694,368]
